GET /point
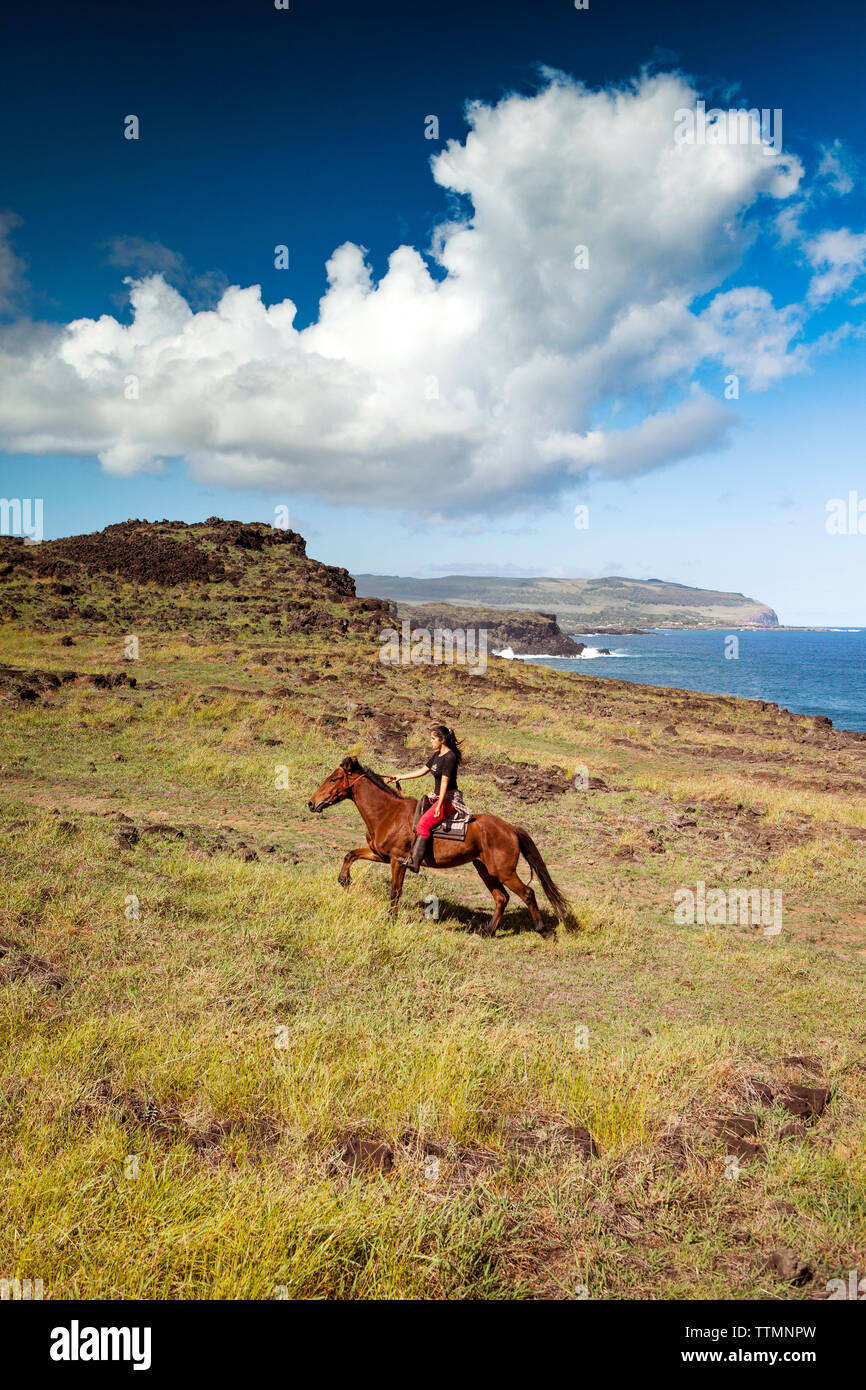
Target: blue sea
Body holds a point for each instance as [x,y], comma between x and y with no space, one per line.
[805,672]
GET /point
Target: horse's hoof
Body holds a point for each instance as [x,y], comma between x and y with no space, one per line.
[549,934]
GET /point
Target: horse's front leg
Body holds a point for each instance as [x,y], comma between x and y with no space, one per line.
[344,877]
[398,873]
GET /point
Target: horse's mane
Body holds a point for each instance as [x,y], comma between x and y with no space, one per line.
[380,782]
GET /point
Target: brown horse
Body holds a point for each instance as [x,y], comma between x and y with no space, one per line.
[491,845]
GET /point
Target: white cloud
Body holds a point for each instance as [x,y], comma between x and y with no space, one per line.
[698,426]
[788,223]
[836,168]
[749,336]
[837,255]
[840,258]
[478,387]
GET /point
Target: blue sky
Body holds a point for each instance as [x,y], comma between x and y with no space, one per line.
[306,128]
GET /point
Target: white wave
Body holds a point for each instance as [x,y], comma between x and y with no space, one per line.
[508,654]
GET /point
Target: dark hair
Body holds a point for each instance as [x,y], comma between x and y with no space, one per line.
[450,738]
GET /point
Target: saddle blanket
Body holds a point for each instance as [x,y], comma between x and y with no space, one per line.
[454,827]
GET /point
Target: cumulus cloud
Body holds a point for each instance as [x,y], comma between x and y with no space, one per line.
[481,384]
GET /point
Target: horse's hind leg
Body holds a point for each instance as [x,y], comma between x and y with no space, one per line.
[500,897]
[524,891]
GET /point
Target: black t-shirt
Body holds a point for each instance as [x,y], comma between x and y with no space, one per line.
[443,764]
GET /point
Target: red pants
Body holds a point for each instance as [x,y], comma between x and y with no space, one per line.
[430,818]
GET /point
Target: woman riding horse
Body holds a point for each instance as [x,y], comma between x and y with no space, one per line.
[443,762]
[491,844]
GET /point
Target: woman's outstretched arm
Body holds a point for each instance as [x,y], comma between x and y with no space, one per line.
[407,776]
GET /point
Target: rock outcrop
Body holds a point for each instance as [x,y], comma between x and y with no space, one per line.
[526,633]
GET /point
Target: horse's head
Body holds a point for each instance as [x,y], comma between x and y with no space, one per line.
[338,786]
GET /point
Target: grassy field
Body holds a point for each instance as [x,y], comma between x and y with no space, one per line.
[223,1077]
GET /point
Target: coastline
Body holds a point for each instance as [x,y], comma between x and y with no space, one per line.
[809,671]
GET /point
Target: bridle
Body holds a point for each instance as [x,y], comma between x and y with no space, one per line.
[349,785]
[342,792]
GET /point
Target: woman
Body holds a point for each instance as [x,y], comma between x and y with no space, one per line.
[444,760]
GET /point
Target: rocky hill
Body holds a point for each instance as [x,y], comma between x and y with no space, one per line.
[218,578]
[581,605]
[215,577]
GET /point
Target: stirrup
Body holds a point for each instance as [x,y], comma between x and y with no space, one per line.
[412,861]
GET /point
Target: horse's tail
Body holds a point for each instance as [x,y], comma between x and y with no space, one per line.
[532,854]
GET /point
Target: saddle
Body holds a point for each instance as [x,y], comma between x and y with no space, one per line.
[454,826]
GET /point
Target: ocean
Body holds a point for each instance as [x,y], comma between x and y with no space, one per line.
[805,672]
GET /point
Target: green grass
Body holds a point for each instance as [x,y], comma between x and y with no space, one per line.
[268,1020]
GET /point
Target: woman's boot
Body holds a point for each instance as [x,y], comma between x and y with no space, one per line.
[419,849]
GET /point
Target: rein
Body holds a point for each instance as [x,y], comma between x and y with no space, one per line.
[344,791]
[349,784]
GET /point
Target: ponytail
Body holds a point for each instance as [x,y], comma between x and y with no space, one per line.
[449,738]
